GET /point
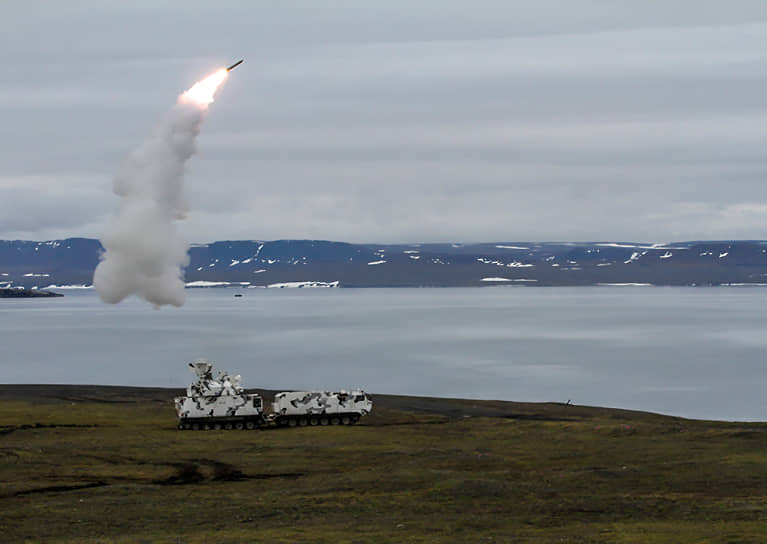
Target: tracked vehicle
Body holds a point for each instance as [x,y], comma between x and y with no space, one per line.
[320,408]
[216,403]
[221,403]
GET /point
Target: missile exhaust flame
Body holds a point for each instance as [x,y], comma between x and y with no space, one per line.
[202,92]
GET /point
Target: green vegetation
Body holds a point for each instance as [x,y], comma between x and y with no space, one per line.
[121,472]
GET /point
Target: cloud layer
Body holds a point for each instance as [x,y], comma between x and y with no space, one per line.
[394,122]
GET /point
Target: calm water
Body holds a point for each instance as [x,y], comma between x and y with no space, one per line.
[696,352]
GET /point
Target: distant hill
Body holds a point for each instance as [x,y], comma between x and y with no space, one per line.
[313,263]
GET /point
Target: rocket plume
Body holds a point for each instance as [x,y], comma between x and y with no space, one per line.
[144,252]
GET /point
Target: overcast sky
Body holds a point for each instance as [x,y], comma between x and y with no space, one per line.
[397,121]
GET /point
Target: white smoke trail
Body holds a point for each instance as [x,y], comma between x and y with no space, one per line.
[144,252]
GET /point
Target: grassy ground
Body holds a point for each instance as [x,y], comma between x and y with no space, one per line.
[120,472]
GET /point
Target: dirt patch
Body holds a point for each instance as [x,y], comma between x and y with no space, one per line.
[7,429]
[59,488]
[186,473]
[197,471]
[223,472]
[268,476]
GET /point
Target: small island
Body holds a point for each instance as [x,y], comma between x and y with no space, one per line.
[27,293]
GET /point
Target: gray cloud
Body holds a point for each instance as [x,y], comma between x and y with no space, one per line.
[33,205]
[397,122]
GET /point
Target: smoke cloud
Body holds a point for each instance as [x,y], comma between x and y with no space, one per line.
[144,252]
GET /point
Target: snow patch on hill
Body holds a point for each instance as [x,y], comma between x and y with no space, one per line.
[203,283]
[303,284]
[625,284]
[507,279]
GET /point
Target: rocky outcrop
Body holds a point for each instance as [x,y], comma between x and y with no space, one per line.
[27,293]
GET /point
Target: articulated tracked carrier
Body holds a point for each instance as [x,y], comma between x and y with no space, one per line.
[221,403]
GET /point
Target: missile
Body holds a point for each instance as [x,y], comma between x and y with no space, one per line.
[235,65]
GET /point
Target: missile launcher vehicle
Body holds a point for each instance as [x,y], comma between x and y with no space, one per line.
[216,403]
[221,403]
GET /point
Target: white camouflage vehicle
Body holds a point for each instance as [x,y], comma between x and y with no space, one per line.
[220,403]
[216,403]
[320,408]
